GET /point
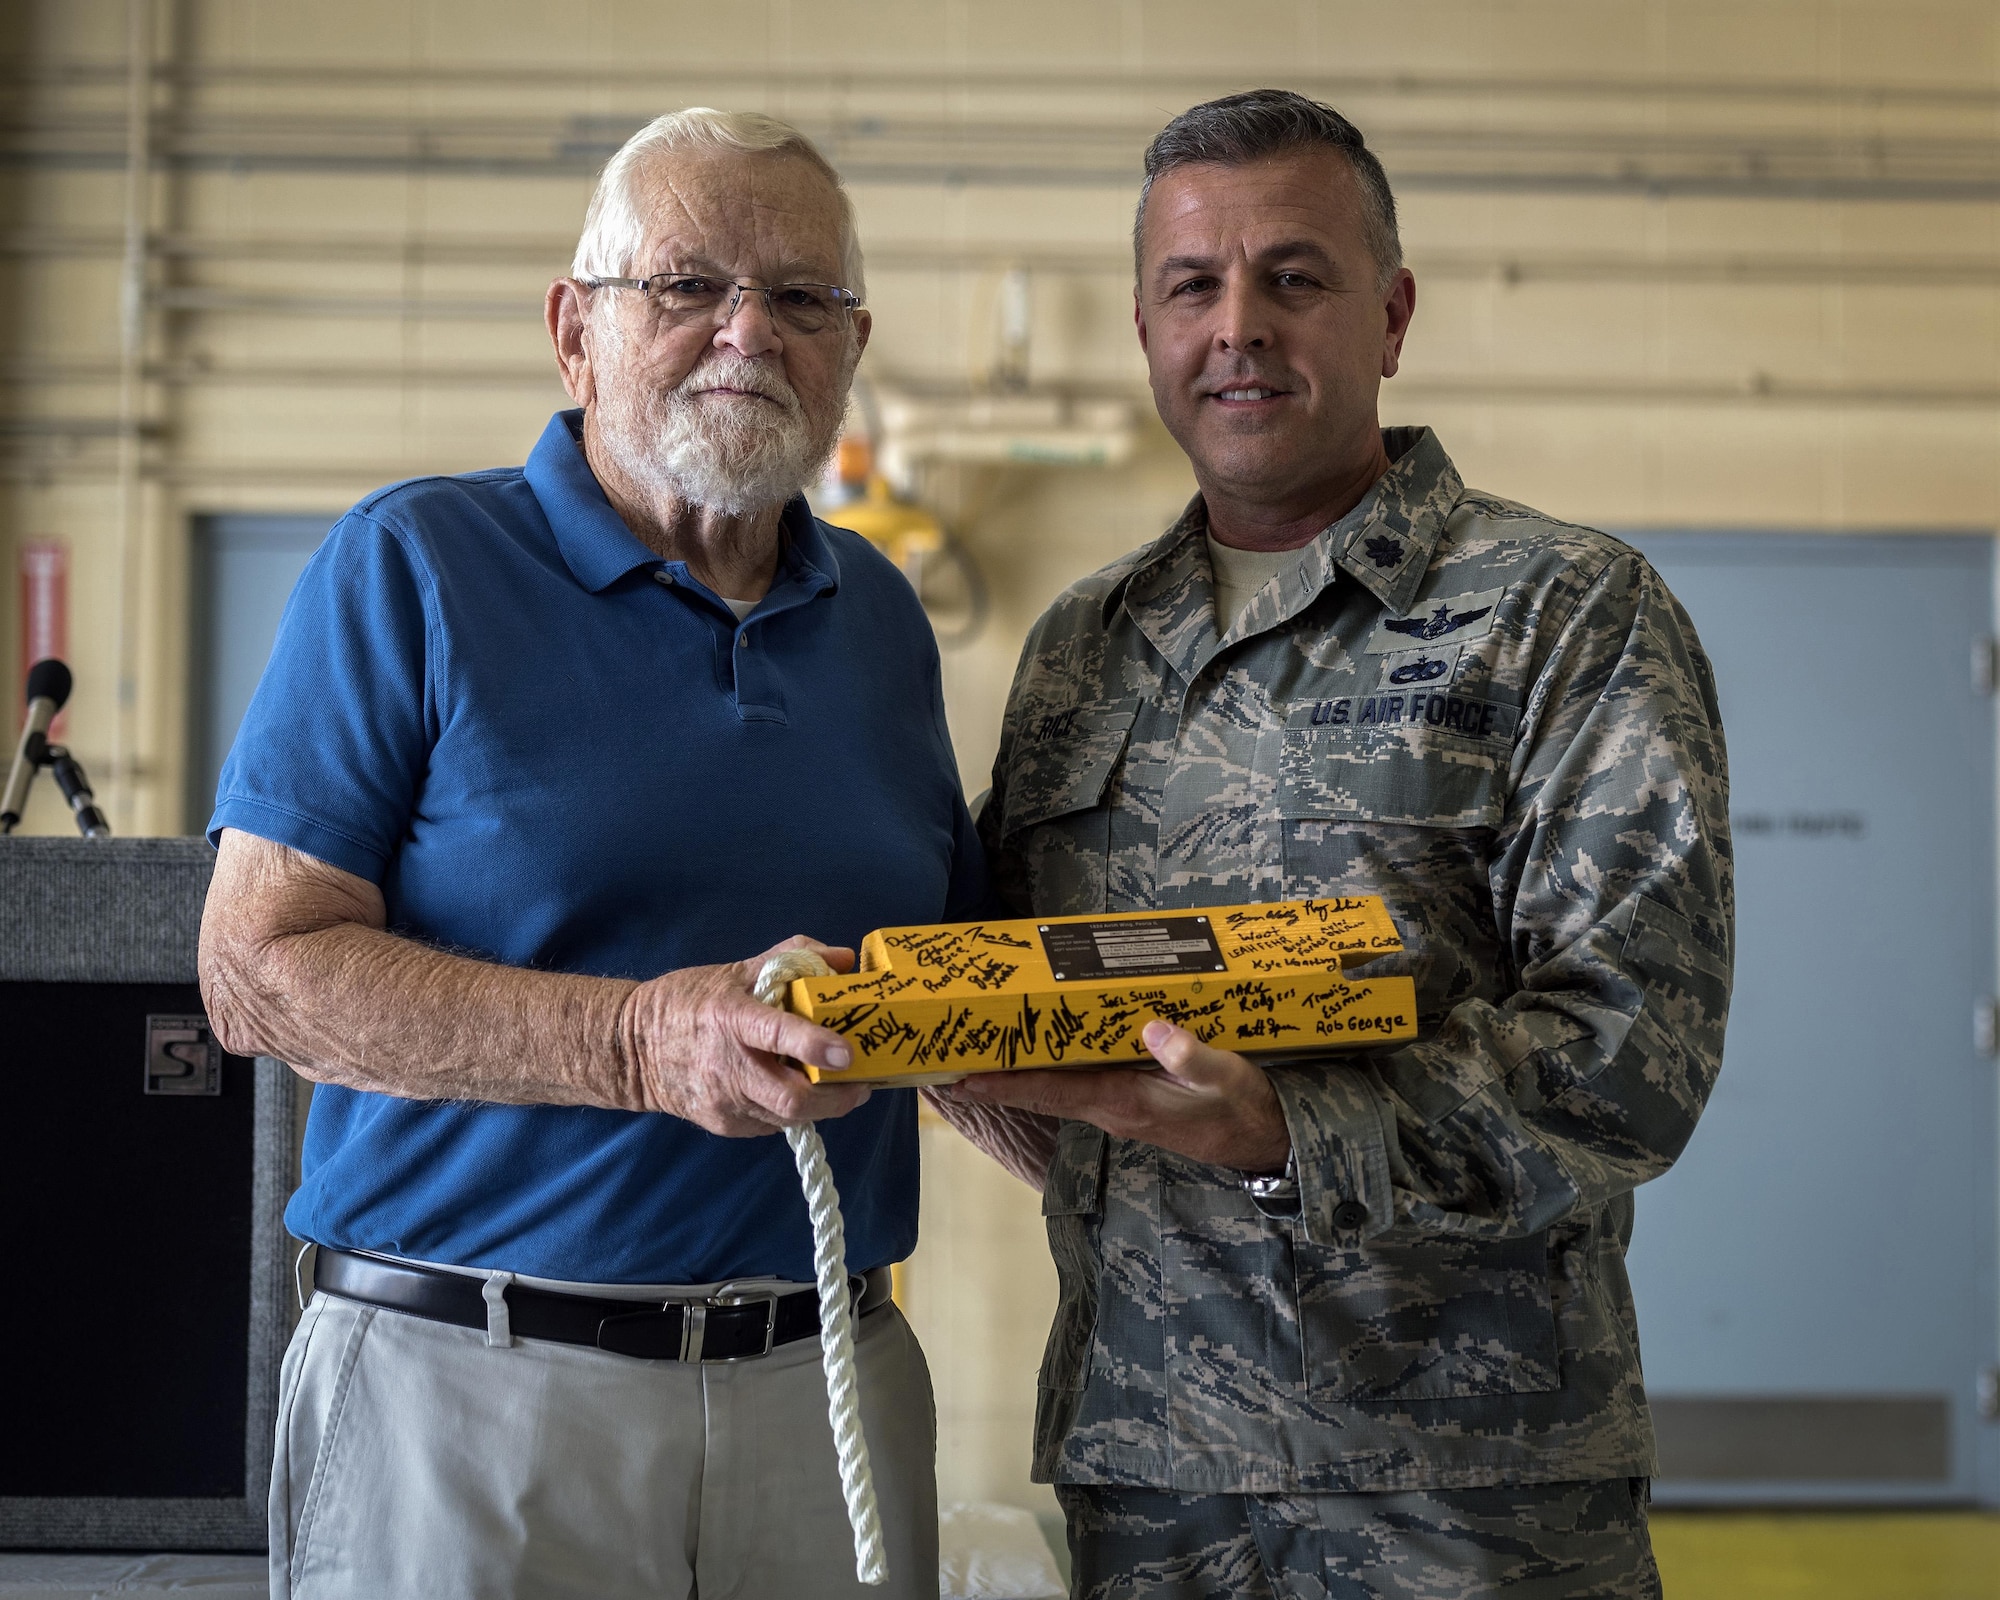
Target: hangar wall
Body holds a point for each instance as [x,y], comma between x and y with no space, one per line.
[1680,264]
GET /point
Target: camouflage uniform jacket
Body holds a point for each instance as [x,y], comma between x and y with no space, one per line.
[1504,726]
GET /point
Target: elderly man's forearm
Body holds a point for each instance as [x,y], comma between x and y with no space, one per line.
[354,1006]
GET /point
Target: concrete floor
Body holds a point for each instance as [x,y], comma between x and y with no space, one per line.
[1865,1555]
[1703,1556]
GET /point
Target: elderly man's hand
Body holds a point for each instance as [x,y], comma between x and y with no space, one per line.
[700,1046]
[1207,1104]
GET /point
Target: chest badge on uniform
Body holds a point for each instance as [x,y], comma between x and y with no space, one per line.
[1428,664]
[1424,669]
[1440,622]
[1450,620]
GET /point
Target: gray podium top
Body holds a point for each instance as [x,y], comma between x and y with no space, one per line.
[102,910]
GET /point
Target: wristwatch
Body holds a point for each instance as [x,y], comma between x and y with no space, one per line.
[1275,1194]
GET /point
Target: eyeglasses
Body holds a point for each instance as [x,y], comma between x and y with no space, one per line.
[687,300]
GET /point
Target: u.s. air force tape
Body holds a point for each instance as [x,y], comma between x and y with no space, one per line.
[1446,710]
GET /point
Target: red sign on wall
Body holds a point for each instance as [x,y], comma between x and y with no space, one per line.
[44,607]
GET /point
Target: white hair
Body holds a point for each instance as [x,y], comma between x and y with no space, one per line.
[614,228]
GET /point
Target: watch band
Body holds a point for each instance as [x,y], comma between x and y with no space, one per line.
[1275,1194]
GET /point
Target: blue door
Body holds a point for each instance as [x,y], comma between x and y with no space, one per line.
[1816,1277]
[244,570]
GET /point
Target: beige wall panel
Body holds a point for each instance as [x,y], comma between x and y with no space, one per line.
[1353,36]
[533,33]
[1704,331]
[1930,231]
[1585,464]
[372,205]
[912,212]
[1911,41]
[287,342]
[1052,33]
[946,326]
[923,327]
[1728,466]
[1459,222]
[71,31]
[353,32]
[1896,336]
[1908,469]
[314,204]
[864,33]
[1738,39]
[61,312]
[1455,327]
[669,34]
[79,199]
[1253,37]
[1706,227]
[983,1329]
[1550,329]
[1089,215]
[1083,332]
[386,436]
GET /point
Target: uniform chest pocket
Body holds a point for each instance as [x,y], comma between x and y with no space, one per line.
[1377,810]
[1413,776]
[1054,817]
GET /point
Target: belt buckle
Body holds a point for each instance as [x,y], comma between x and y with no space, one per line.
[694,1322]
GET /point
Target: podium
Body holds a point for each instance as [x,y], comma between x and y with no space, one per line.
[143,1175]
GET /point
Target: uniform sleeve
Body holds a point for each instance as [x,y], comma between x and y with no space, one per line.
[1612,886]
[332,752]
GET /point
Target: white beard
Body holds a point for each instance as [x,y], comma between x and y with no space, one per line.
[734,456]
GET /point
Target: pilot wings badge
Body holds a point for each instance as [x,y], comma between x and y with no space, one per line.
[1449,621]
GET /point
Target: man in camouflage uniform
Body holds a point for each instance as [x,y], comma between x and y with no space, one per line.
[1357,1325]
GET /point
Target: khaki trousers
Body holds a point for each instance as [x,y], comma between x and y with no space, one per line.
[417,1462]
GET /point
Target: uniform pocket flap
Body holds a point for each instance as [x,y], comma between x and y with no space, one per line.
[1075,1184]
[1065,760]
[1661,941]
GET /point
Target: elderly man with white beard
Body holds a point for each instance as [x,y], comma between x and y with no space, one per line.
[544,758]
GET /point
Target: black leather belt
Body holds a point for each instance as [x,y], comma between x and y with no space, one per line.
[722,1327]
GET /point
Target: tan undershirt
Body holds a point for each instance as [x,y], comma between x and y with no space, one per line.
[1239,574]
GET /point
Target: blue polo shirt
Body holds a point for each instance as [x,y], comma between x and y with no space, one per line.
[552,749]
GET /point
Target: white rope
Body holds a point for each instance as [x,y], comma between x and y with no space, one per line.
[836,1326]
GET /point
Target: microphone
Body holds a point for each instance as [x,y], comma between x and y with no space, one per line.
[48,688]
[76,790]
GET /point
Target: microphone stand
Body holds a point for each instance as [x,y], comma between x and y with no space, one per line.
[74,785]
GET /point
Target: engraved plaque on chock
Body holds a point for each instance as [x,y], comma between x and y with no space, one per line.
[1157,947]
[182,1056]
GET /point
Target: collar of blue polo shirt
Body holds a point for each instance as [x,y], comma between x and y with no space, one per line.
[937,1003]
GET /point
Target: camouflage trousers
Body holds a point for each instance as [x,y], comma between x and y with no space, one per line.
[1554,1541]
